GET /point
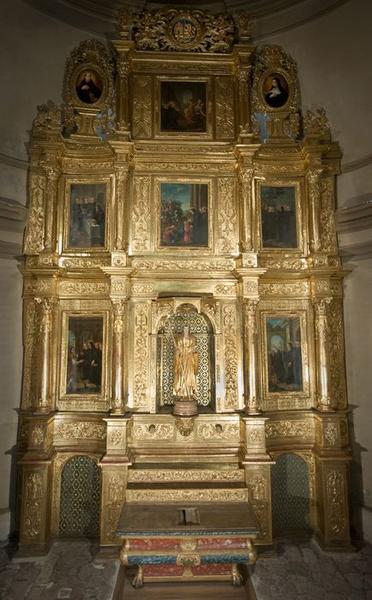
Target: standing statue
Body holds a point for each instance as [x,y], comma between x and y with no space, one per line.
[185,371]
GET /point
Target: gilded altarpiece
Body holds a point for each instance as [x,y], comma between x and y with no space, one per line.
[181,177]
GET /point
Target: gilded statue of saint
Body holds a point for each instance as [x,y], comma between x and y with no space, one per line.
[185,366]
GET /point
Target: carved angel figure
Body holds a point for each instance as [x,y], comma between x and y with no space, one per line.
[185,366]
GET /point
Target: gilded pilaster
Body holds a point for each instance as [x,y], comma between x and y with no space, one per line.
[331,386]
[123,48]
[243,55]
[121,182]
[35,228]
[252,403]
[333,518]
[119,366]
[313,178]
[35,521]
[43,398]
[52,172]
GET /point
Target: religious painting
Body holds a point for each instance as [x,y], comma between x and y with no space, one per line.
[278,216]
[183,106]
[184,215]
[84,355]
[89,86]
[87,215]
[275,90]
[284,354]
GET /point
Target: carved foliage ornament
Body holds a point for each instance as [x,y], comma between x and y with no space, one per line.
[48,117]
[183,30]
[35,223]
[33,505]
[316,124]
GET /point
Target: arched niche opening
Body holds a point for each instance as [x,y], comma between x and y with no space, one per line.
[290,495]
[172,326]
[80,498]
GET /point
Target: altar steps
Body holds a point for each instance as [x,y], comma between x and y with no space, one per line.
[186,485]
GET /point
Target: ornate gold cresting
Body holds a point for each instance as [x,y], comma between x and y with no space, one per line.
[239,280]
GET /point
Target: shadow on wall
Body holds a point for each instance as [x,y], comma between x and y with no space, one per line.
[356,483]
[14,494]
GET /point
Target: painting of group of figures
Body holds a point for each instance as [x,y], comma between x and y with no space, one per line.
[184,214]
[278,215]
[284,354]
[87,215]
[84,364]
[183,107]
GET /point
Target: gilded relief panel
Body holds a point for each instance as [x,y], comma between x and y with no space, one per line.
[233,391]
[227,217]
[139,385]
[224,108]
[142,110]
[142,215]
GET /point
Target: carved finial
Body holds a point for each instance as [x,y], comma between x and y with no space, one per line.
[316,124]
[244,23]
[48,116]
[125,21]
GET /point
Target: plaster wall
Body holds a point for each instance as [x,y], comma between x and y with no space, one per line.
[10,378]
[358,339]
[331,54]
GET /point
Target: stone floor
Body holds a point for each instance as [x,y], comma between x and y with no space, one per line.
[294,572]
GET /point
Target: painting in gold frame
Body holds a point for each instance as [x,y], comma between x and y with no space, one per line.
[87,215]
[184,215]
[285,360]
[183,107]
[85,222]
[84,357]
[280,216]
[284,354]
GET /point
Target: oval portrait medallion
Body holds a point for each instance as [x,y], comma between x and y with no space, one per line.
[89,86]
[275,90]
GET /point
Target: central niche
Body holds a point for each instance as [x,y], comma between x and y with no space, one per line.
[171,328]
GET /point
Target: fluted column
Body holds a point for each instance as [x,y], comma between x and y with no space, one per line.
[118,399]
[52,175]
[243,67]
[121,173]
[247,200]
[123,48]
[46,306]
[313,183]
[324,399]
[250,356]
